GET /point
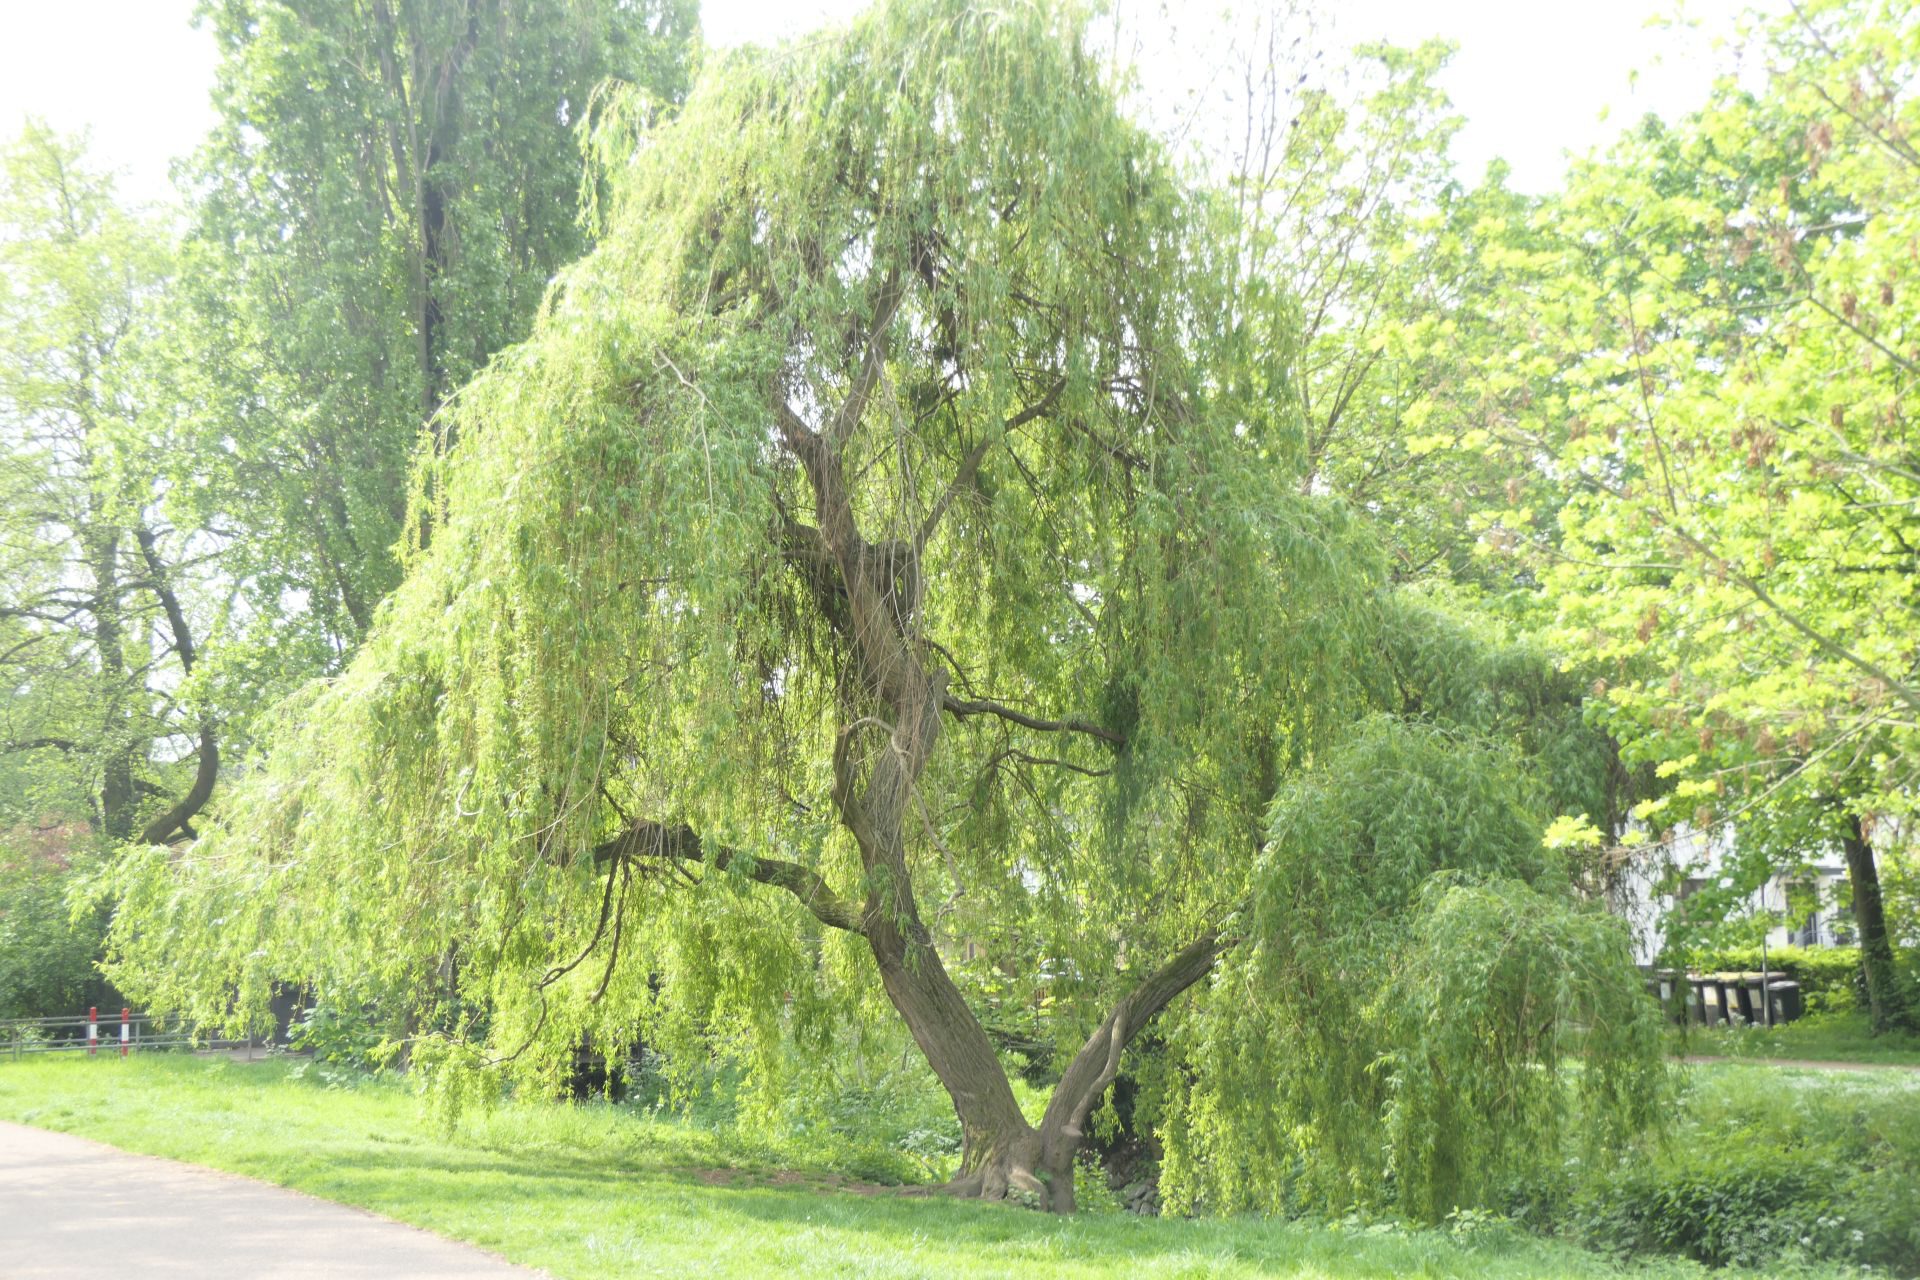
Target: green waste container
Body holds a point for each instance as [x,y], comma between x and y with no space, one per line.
[1784,998]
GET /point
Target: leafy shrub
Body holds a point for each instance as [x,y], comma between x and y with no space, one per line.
[47,952]
[1727,1208]
[339,1036]
[937,1148]
[1092,1191]
[1763,1165]
[1822,1037]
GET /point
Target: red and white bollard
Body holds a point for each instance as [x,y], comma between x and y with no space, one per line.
[93,1029]
[126,1024]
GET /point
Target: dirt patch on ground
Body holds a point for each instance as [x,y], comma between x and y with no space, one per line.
[742,1179]
[1800,1064]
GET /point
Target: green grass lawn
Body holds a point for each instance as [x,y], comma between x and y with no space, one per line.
[593,1190]
[1822,1037]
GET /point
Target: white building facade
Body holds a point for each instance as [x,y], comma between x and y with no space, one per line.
[1811,904]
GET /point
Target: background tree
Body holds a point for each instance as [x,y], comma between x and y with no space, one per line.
[1410,292]
[1347,206]
[98,614]
[107,735]
[885,538]
[47,952]
[1728,319]
[390,188]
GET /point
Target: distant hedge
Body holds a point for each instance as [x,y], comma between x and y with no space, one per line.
[1830,978]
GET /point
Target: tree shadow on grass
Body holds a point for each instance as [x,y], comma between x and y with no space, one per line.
[755,1225]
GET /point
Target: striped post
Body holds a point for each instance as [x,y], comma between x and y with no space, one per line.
[126,1027]
[93,1029]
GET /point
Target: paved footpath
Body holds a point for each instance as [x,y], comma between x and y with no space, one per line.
[70,1208]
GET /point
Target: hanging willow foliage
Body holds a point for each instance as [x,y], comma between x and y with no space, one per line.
[1428,1007]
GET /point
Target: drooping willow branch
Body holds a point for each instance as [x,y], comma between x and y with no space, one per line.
[969,468]
[558,972]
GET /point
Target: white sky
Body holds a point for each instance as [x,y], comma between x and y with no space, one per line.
[1532,77]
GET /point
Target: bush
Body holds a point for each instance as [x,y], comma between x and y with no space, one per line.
[1729,1208]
[1764,1165]
[340,1035]
[1818,1037]
[47,952]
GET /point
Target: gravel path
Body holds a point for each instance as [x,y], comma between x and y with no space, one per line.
[1803,1064]
[70,1208]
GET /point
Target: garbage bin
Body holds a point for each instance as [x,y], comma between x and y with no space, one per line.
[1670,989]
[1783,997]
[1749,999]
[1713,1000]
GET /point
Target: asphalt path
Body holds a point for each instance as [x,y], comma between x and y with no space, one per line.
[70,1208]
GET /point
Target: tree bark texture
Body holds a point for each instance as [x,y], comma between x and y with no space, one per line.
[1889,1005]
[890,727]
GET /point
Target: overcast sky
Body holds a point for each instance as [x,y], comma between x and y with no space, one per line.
[1532,78]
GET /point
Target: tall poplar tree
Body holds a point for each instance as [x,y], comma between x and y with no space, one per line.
[390,188]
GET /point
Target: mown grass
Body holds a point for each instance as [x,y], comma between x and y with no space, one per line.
[1820,1037]
[599,1191]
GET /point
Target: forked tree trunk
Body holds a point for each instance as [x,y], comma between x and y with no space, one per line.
[892,717]
[1002,1155]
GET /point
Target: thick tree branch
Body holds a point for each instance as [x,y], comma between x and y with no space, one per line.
[653,841]
[964,707]
[1094,1066]
[162,828]
[162,587]
[44,744]
[873,359]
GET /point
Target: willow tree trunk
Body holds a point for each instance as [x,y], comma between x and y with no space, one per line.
[1000,1151]
[1889,1004]
[894,701]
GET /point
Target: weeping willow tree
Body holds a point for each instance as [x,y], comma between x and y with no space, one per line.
[887,541]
